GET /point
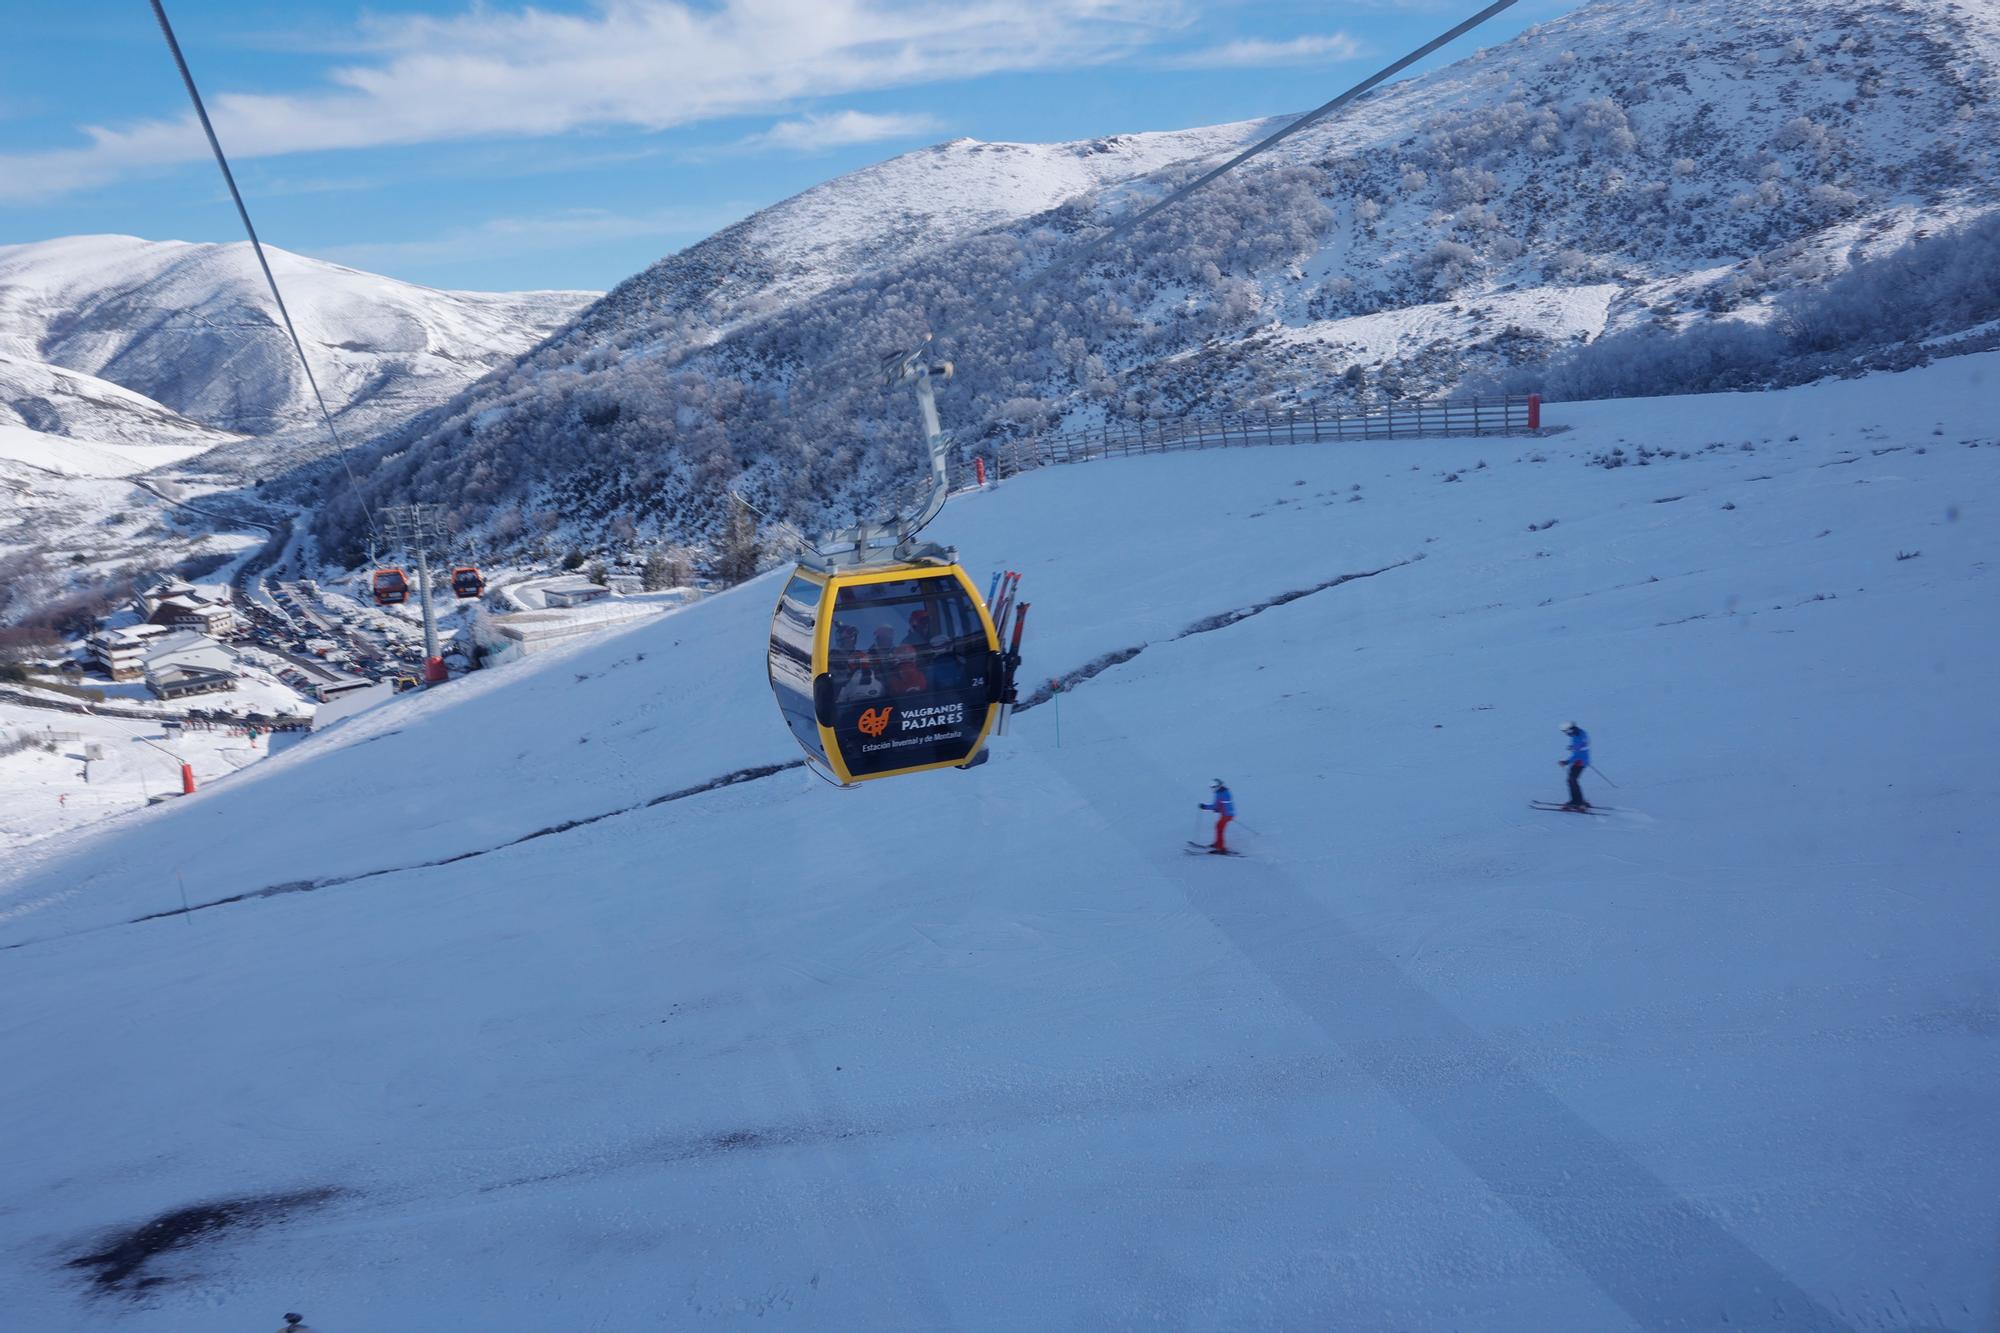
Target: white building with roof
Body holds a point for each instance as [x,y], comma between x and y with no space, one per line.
[212,618]
[121,653]
[573,592]
[186,662]
[181,605]
[531,631]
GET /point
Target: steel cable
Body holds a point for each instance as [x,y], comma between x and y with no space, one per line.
[242,211]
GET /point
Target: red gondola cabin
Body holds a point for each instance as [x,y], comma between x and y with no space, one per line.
[390,587]
[466,581]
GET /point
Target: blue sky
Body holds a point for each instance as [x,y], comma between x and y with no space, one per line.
[499,146]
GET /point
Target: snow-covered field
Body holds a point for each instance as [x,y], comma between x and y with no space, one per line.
[988,1050]
[59,790]
[65,457]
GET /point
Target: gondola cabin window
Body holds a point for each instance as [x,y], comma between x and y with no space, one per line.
[792,657]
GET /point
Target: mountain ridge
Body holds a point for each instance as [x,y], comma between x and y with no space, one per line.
[1624,164]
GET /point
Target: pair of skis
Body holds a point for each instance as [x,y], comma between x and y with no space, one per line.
[1002,597]
[1572,809]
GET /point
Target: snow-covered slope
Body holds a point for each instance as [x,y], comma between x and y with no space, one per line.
[66,405]
[553,1041]
[881,217]
[192,327]
[121,357]
[1635,162]
[66,518]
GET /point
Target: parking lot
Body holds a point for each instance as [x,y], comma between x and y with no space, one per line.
[316,640]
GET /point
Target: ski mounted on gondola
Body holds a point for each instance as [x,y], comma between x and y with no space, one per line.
[884,659]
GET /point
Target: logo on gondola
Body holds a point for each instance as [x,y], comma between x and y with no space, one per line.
[874,721]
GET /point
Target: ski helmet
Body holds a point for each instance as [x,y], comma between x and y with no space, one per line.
[1569,727]
[1216,785]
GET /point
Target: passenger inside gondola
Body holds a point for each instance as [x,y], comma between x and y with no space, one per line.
[948,672]
[895,639]
[907,675]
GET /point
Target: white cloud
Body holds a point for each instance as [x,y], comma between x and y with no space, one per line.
[511,236]
[816,131]
[1255,53]
[644,64]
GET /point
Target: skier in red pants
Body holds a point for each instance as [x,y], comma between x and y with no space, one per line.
[1224,806]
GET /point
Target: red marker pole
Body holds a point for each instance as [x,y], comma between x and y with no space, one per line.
[979,470]
[1534,411]
[187,779]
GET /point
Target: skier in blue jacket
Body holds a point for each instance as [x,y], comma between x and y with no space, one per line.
[1577,760]
[1224,806]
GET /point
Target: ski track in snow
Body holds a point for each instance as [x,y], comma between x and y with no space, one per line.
[1069,680]
[987,1050]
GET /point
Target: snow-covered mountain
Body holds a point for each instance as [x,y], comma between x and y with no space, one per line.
[1636,162]
[553,1000]
[876,219]
[72,511]
[67,405]
[120,357]
[192,327]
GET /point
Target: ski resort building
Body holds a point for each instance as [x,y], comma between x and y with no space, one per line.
[184,662]
[215,619]
[121,653]
[184,606]
[177,682]
[504,637]
[573,592]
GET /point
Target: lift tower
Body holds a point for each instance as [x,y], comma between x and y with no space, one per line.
[419,529]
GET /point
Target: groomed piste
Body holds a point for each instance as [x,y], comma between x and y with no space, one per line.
[563,998]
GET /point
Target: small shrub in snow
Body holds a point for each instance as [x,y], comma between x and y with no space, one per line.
[1801,132]
[1828,202]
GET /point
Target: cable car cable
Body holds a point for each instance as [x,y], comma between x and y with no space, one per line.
[831,691]
[229,178]
[1126,225]
[1389,71]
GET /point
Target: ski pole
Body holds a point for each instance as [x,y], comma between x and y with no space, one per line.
[1600,773]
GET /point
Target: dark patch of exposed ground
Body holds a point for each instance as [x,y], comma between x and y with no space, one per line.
[123,1262]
